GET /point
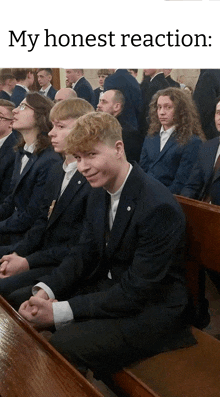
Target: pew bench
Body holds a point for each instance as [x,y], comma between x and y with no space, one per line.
[192,371]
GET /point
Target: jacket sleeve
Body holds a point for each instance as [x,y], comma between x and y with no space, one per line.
[188,159]
[22,219]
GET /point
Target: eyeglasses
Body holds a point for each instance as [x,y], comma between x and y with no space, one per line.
[4,118]
[23,105]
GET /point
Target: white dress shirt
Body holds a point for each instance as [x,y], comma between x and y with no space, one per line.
[165,135]
[25,158]
[45,92]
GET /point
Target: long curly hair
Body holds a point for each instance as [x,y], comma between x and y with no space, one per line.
[186,117]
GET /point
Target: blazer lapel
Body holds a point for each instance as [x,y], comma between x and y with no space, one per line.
[27,167]
[123,215]
[76,183]
[170,142]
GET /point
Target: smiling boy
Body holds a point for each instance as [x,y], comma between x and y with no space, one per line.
[121,292]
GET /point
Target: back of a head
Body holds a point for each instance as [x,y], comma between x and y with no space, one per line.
[70,108]
[93,128]
[21,74]
[65,93]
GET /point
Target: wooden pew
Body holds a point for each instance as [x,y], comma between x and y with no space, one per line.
[193,371]
[31,367]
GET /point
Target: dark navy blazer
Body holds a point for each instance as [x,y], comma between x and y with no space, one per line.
[122,80]
[205,94]
[173,164]
[201,174]
[5,95]
[84,90]
[49,240]
[18,94]
[21,208]
[7,159]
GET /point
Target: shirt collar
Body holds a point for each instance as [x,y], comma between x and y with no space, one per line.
[117,194]
[30,148]
[169,131]
[73,85]
[46,89]
[23,86]
[71,167]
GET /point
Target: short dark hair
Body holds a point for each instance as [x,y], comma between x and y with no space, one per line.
[49,71]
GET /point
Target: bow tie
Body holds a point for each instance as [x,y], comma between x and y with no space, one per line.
[23,152]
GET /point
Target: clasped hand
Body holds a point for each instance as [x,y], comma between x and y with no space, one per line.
[38,310]
[12,264]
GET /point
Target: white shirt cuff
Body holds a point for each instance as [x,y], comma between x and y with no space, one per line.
[43,286]
[62,314]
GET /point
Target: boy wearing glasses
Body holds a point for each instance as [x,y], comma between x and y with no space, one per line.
[7,142]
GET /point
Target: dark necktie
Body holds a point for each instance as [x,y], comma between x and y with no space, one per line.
[208,196]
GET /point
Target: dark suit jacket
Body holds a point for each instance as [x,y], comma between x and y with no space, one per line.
[7,159]
[21,208]
[84,90]
[201,174]
[5,95]
[18,94]
[122,80]
[205,94]
[49,240]
[173,164]
[51,93]
[133,141]
[171,82]
[97,93]
[144,254]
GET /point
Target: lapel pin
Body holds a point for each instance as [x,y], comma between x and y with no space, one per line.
[79,182]
[51,209]
[128,208]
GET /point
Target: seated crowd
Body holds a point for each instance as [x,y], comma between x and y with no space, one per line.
[92,237]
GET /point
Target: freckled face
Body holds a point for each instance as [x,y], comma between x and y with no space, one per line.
[99,166]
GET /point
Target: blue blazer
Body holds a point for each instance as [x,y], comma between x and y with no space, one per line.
[147,290]
[122,80]
[7,159]
[5,95]
[173,164]
[18,94]
[84,90]
[201,174]
[21,208]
